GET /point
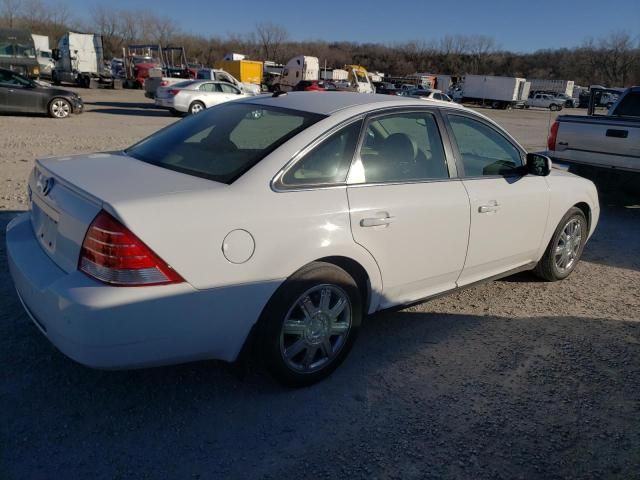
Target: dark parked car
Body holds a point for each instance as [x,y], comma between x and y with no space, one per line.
[21,94]
[386,88]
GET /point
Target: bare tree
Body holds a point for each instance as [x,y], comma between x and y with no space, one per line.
[11,11]
[271,37]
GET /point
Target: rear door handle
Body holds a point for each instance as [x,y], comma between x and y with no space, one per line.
[492,206]
[617,133]
[376,221]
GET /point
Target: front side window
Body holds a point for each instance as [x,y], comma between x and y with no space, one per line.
[401,147]
[226,88]
[483,150]
[13,80]
[222,142]
[328,162]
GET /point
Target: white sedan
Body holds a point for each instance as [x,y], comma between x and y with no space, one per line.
[194,96]
[276,224]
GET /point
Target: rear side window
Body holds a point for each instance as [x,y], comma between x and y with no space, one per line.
[222,142]
[629,105]
[483,149]
[328,162]
[401,147]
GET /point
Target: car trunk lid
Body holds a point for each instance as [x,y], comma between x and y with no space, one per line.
[66,194]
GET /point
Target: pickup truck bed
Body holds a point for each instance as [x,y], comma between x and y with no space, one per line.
[609,141]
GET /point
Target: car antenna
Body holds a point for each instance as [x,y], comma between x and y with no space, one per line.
[279,93]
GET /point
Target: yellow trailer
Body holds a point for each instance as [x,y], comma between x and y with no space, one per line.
[248,71]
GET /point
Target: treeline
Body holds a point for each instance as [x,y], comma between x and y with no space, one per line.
[611,61]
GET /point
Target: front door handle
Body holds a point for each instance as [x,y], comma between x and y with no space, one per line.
[376,221]
[492,206]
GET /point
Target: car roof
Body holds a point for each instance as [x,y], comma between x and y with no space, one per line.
[328,103]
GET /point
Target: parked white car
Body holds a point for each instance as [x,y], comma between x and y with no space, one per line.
[428,95]
[194,96]
[278,223]
[544,100]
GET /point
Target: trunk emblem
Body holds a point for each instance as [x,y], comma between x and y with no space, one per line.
[44,184]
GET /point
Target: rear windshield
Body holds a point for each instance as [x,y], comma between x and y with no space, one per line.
[629,106]
[223,142]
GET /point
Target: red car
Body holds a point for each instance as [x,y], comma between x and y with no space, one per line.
[310,86]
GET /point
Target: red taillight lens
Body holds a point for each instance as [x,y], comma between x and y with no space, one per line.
[112,254]
[164,83]
[173,92]
[553,135]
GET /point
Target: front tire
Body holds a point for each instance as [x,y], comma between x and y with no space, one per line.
[565,248]
[59,108]
[310,324]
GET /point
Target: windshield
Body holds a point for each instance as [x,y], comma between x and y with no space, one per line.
[16,49]
[223,142]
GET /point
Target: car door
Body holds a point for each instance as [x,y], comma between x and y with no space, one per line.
[407,207]
[17,94]
[508,208]
[208,93]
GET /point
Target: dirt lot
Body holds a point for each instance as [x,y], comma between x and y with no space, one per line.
[512,379]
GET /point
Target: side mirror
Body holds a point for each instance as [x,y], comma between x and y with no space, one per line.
[538,165]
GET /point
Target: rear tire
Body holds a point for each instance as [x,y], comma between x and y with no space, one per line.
[565,248]
[196,107]
[310,324]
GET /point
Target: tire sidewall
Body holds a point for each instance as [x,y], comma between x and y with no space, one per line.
[273,316]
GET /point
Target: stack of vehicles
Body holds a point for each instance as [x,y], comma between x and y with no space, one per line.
[43,55]
[497,92]
[80,61]
[160,66]
[18,52]
[609,141]
[194,96]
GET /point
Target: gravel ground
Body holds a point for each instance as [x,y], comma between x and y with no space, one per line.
[511,379]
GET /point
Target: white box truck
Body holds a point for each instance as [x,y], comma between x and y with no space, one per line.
[496,92]
[80,61]
[296,70]
[43,55]
[333,74]
[564,87]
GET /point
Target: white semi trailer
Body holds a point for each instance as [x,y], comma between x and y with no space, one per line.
[80,61]
[496,92]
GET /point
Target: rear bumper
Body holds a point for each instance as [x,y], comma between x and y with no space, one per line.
[164,102]
[129,327]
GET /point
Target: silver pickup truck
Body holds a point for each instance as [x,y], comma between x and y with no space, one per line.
[609,141]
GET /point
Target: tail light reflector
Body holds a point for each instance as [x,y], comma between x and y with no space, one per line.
[112,254]
[553,135]
[173,92]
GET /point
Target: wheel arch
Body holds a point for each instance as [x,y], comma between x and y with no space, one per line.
[586,209]
[357,271]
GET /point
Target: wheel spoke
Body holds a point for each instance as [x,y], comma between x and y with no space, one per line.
[295,349]
[339,307]
[307,307]
[293,327]
[327,348]
[309,355]
[325,298]
[339,328]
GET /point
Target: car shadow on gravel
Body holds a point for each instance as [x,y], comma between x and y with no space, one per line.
[131,111]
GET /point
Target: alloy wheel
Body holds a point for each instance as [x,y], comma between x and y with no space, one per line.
[568,245]
[316,328]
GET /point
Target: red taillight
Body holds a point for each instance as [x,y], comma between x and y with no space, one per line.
[164,83]
[112,254]
[553,135]
[173,92]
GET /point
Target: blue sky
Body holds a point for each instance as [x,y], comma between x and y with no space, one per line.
[516,25]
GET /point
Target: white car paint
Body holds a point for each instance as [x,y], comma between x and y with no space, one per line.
[180,98]
[188,221]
